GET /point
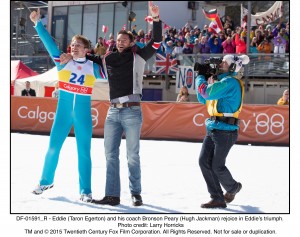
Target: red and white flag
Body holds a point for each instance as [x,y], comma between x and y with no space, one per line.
[263,18]
[244,16]
[104,29]
[213,27]
[216,24]
[166,26]
[124,27]
[149,19]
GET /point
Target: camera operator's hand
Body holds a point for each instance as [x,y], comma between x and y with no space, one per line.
[203,69]
[211,80]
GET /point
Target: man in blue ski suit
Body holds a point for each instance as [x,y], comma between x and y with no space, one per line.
[76,81]
[223,98]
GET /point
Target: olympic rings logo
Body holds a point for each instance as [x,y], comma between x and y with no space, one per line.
[264,123]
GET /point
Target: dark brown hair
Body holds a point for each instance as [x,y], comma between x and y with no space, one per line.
[130,35]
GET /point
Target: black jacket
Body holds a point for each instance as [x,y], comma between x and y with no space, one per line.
[125,70]
[31,92]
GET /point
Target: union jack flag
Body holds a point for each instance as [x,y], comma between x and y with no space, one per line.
[165,64]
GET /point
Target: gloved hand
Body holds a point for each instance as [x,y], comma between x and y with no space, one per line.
[204,69]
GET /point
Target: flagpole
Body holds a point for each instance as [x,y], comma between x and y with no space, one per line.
[248,44]
[248,26]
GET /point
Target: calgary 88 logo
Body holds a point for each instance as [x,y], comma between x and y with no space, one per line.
[95,115]
[273,124]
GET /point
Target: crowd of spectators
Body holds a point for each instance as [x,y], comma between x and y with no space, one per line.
[264,39]
[202,40]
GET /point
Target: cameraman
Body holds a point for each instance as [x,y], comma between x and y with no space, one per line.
[223,95]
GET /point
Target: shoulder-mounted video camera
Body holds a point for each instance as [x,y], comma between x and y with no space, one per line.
[209,68]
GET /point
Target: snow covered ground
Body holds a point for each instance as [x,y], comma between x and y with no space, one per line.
[173,189]
[171,178]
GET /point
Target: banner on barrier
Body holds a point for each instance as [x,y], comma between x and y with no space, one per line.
[185,76]
[260,124]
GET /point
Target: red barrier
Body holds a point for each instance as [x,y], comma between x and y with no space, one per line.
[260,124]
